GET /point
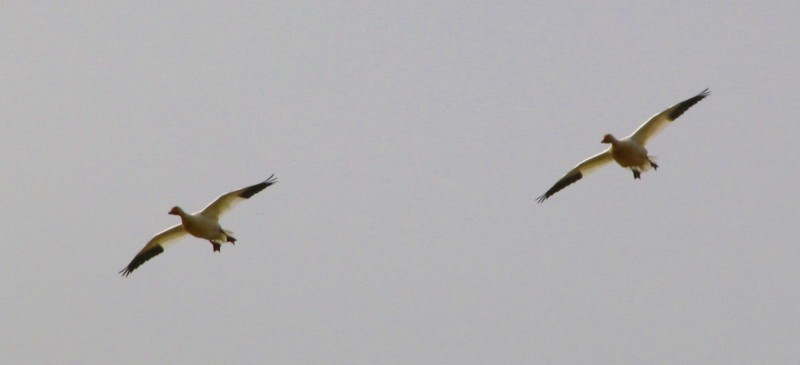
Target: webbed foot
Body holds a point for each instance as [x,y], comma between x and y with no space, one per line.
[216,246]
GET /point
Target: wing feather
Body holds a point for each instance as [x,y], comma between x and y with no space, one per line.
[227,200]
[657,122]
[586,166]
[154,247]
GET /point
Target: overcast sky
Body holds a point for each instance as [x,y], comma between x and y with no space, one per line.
[410,140]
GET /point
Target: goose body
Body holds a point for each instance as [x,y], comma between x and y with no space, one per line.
[203,224]
[629,152]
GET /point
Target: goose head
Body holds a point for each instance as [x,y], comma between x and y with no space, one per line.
[608,139]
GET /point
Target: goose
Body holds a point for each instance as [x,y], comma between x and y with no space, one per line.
[628,152]
[203,224]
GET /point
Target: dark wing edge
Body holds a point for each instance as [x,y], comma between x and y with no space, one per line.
[683,106]
[562,183]
[255,189]
[141,258]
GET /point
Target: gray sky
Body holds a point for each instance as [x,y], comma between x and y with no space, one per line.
[410,141]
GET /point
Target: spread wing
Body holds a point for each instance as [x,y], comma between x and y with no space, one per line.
[660,120]
[226,201]
[154,247]
[586,166]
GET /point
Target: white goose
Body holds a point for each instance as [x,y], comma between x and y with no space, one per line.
[203,224]
[628,152]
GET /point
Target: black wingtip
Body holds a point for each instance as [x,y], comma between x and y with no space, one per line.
[255,189]
[563,183]
[141,258]
[271,180]
[683,106]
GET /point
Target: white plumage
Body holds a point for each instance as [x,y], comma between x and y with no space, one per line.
[203,224]
[628,152]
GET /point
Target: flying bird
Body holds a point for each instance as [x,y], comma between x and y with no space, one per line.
[203,224]
[628,152]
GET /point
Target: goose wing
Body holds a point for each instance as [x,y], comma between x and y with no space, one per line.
[154,247]
[657,122]
[586,166]
[226,201]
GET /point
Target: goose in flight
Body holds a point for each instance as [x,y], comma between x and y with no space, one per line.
[628,152]
[203,224]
